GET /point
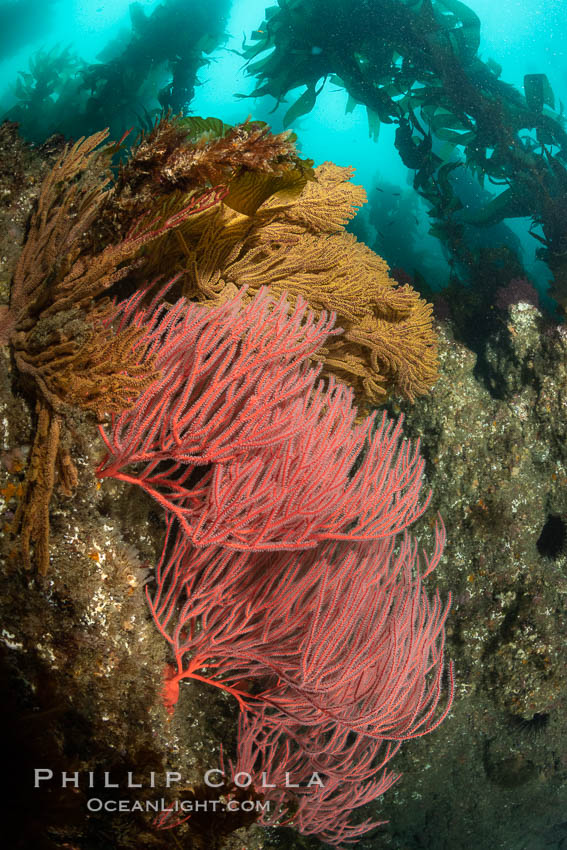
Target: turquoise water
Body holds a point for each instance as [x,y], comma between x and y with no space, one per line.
[493,435]
[523,36]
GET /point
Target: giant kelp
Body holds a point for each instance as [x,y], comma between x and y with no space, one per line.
[154,67]
[414,63]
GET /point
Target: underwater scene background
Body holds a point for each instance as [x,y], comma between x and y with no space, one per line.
[283,504]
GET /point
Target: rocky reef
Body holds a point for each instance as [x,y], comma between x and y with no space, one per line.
[82,661]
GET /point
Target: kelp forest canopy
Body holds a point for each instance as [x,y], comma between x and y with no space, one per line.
[150,67]
[415,64]
[482,152]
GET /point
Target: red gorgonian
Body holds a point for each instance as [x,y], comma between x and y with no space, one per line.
[283,577]
[238,398]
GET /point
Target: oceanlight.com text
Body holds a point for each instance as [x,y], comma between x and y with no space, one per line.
[95,804]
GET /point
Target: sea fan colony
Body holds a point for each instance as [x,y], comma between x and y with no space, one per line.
[288,231]
[281,579]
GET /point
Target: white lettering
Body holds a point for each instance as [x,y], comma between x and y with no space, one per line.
[40,774]
[70,779]
[107,782]
[242,783]
[132,784]
[208,779]
[265,783]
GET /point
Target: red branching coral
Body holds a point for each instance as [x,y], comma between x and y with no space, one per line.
[282,580]
[235,387]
